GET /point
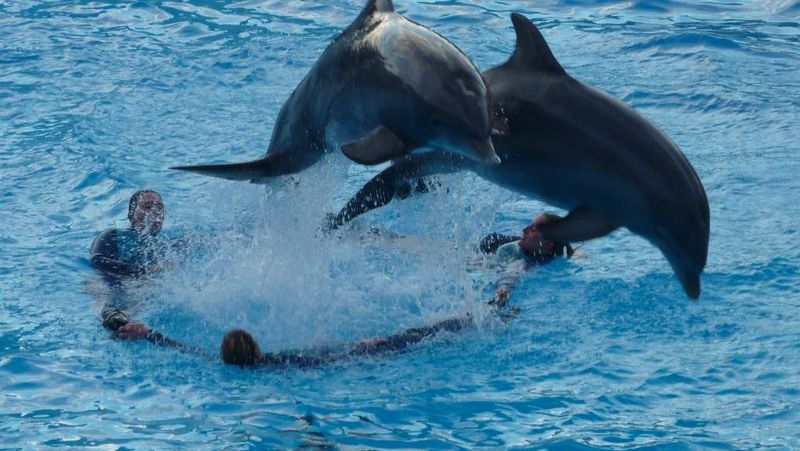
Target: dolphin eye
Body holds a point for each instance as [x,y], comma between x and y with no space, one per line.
[466,89]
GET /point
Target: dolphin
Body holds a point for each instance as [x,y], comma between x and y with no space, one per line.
[580,149]
[383,88]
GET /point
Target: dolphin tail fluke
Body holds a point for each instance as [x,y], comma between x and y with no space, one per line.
[270,166]
[234,171]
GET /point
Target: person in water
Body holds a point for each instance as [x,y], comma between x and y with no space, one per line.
[518,254]
[123,255]
[530,247]
[135,251]
[238,347]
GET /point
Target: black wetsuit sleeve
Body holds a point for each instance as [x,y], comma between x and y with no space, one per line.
[114,319]
[406,338]
[290,360]
[492,242]
[105,256]
[160,339]
[384,345]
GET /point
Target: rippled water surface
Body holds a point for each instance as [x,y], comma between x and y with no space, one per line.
[98,99]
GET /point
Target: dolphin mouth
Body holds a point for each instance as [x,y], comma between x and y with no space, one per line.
[485,151]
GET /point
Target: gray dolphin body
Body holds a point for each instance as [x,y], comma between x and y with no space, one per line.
[580,149]
[381,89]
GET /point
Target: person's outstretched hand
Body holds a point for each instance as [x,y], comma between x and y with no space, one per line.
[500,298]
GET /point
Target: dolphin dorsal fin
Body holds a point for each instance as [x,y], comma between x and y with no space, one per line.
[532,50]
[378,6]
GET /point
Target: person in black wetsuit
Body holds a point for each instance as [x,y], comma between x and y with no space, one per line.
[134,251]
[530,245]
[238,347]
[125,255]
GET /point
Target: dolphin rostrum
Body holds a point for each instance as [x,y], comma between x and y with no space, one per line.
[384,87]
[577,148]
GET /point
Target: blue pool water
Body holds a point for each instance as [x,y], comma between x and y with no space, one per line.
[98,99]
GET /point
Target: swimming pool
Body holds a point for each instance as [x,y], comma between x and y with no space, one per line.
[97,99]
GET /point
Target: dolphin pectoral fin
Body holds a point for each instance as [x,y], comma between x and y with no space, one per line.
[581,224]
[379,146]
[269,166]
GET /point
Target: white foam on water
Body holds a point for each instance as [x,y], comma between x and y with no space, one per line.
[276,275]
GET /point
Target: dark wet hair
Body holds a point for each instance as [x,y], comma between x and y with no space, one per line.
[136,197]
[239,348]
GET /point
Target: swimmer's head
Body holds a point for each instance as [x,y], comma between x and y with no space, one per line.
[533,244]
[146,212]
[239,348]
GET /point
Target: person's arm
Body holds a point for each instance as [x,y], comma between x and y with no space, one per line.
[375,346]
[136,331]
[295,360]
[124,328]
[509,280]
[105,256]
[406,338]
[500,302]
[514,265]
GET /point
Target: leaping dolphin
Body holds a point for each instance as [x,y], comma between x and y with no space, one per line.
[384,87]
[579,149]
